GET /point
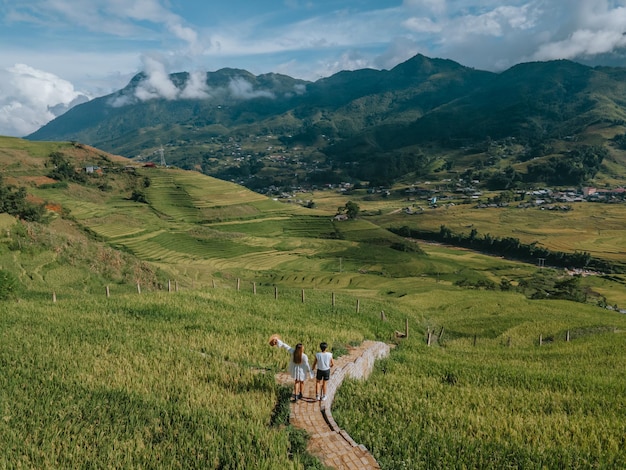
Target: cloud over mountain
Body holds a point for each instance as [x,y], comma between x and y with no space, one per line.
[29,98]
[96,46]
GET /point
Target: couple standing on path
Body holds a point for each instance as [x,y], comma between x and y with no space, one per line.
[299,367]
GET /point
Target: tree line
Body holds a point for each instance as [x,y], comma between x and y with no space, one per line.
[513,248]
[13,201]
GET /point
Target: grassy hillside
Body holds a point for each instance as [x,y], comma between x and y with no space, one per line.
[186,379]
[183,377]
[196,229]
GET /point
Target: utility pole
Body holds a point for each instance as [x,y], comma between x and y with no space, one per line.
[162,155]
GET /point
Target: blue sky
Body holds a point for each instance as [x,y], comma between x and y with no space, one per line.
[55,53]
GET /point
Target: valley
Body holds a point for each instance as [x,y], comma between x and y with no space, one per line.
[136,300]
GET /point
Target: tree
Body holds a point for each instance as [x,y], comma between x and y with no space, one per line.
[352,209]
[14,201]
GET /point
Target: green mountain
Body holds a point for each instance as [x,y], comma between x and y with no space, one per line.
[371,125]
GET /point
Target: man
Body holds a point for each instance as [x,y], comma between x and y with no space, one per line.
[323,361]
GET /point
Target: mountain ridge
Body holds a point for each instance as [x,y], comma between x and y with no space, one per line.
[347,117]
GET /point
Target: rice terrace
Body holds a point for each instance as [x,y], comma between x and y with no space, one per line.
[134,320]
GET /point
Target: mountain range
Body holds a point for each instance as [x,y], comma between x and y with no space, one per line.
[419,117]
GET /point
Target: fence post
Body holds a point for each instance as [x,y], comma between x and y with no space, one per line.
[474,340]
[382,316]
[108,292]
[169,285]
[567,336]
[238,283]
[440,334]
[333,299]
[213,283]
[358,305]
[54,297]
[275,293]
[302,295]
[138,288]
[254,288]
[429,337]
[508,342]
[540,340]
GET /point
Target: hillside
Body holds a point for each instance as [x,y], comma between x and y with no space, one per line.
[375,126]
[176,224]
[170,367]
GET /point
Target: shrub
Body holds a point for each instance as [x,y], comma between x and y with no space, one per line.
[9,284]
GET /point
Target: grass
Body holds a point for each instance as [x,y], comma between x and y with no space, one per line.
[174,379]
[154,380]
[501,400]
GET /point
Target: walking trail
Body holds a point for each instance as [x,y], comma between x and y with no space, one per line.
[333,446]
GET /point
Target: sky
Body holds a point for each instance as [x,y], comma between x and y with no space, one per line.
[58,53]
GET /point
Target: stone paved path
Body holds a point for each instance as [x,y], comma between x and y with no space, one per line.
[333,446]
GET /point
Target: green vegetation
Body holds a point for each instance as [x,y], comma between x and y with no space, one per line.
[512,247]
[155,380]
[378,127]
[9,285]
[581,165]
[487,395]
[179,374]
[186,379]
[13,201]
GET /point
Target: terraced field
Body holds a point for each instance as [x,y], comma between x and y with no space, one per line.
[599,229]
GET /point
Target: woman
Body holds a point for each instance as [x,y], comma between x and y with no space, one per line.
[299,366]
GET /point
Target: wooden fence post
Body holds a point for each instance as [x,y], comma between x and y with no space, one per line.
[429,337]
[108,292]
[358,305]
[169,285]
[567,336]
[540,340]
[275,293]
[508,342]
[254,288]
[54,297]
[213,283]
[238,283]
[302,295]
[138,288]
[382,316]
[333,299]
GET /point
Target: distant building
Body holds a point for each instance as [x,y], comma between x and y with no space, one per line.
[588,191]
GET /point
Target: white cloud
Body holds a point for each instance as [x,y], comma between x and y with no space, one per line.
[29,98]
[157,83]
[593,28]
[241,88]
[582,43]
[196,87]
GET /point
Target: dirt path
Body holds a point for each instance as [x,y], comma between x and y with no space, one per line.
[333,446]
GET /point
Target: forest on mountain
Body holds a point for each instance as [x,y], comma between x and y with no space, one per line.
[555,123]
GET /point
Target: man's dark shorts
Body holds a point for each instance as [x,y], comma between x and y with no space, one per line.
[323,374]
